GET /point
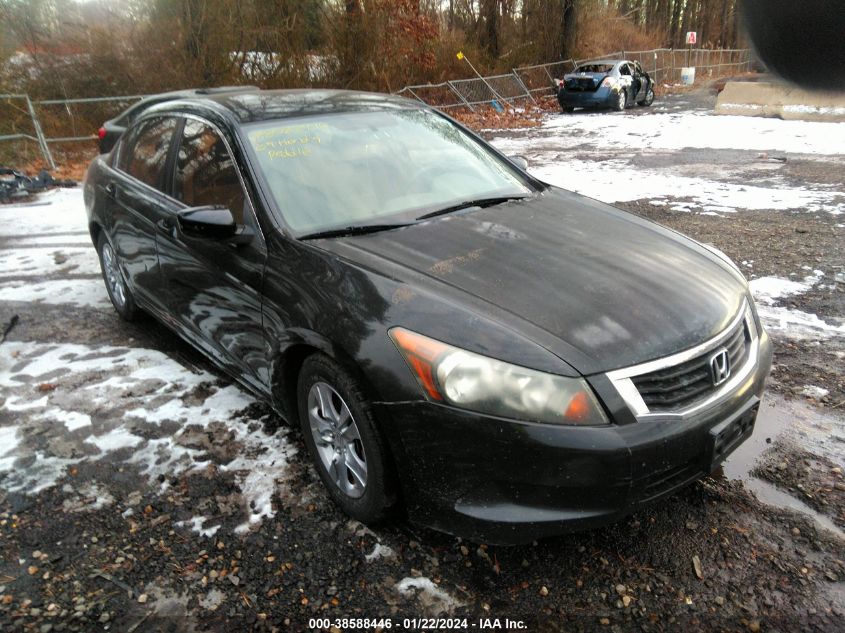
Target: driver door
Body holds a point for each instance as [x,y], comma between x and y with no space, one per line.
[214,286]
[641,80]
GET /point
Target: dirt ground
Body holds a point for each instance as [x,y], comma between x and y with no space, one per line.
[112,543]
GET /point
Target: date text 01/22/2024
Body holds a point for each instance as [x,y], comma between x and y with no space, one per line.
[416,624]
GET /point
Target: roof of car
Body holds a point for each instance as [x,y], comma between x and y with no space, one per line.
[260,105]
[127,116]
[609,62]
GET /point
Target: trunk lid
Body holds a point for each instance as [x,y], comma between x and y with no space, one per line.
[583,82]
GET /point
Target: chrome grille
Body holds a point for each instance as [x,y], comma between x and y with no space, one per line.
[682,385]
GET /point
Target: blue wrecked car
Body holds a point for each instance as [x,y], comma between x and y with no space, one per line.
[613,83]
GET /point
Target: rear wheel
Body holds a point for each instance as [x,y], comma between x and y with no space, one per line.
[119,293]
[649,97]
[347,450]
[621,101]
[567,109]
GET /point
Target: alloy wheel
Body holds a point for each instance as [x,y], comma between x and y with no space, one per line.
[337,439]
[113,276]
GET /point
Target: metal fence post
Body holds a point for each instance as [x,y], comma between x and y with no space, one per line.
[45,149]
[416,96]
[460,96]
[524,87]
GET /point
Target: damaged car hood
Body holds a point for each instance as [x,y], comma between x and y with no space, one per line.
[613,288]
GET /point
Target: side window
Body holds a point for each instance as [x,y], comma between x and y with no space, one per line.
[144,153]
[624,70]
[206,173]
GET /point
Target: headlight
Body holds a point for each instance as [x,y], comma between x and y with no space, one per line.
[471,381]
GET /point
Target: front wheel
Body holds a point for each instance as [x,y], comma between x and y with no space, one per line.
[621,101]
[649,97]
[119,293]
[347,450]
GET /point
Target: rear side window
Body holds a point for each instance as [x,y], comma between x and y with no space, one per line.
[144,154]
[206,173]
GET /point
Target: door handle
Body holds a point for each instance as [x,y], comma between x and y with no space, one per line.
[165,226]
[111,190]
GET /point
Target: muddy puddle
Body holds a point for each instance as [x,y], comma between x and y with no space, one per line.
[793,421]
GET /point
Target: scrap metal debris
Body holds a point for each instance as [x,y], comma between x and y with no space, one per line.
[15,185]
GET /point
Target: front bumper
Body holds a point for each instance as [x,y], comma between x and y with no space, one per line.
[502,481]
[601,98]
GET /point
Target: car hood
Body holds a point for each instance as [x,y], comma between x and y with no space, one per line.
[597,286]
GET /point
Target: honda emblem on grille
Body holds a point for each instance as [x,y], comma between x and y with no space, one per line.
[720,367]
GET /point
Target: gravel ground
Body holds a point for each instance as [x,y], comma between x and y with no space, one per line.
[145,492]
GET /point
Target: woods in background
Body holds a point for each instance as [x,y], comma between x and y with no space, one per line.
[72,48]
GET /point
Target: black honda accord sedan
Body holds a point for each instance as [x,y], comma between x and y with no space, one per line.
[497,357]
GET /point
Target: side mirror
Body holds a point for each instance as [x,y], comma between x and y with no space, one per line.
[213,222]
[519,161]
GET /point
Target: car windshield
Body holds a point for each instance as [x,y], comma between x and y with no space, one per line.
[376,167]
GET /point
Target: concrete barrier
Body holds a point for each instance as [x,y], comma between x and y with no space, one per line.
[778,100]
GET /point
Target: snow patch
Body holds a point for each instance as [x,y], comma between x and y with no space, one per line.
[258,473]
[797,324]
[435,599]
[767,290]
[86,293]
[72,420]
[808,109]
[90,497]
[30,262]
[8,445]
[380,551]
[12,405]
[196,524]
[75,238]
[790,323]
[674,131]
[811,391]
[114,440]
[90,383]
[618,181]
[53,212]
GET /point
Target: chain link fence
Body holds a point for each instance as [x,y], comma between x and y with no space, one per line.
[527,82]
[55,121]
[60,121]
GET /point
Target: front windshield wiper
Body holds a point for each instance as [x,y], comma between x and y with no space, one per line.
[358,229]
[479,202]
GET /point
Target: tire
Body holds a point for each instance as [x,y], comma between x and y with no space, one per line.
[567,109]
[649,97]
[621,101]
[119,293]
[349,453]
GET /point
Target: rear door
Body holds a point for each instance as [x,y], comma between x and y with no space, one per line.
[136,203]
[213,286]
